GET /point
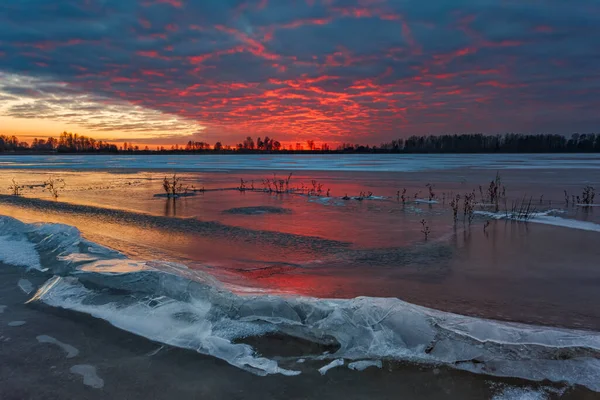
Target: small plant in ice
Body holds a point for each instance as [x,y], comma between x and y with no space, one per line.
[495,191]
[481,194]
[346,197]
[566,198]
[425,229]
[242,187]
[173,186]
[485,226]
[469,207]
[328,192]
[541,199]
[53,186]
[364,195]
[403,196]
[588,195]
[317,188]
[15,188]
[454,205]
[431,193]
[267,185]
[522,211]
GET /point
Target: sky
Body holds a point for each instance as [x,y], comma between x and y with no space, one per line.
[169,71]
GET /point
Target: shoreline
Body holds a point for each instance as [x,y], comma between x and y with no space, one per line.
[131,366]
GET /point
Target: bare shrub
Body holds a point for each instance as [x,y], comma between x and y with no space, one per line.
[53,186]
[588,195]
[495,191]
[174,187]
[431,193]
[469,207]
[15,188]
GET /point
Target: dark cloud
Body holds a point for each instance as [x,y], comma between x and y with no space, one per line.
[333,70]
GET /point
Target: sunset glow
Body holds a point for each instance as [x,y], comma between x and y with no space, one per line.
[160,72]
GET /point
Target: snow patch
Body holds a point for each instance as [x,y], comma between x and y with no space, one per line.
[426,201]
[90,377]
[70,350]
[16,323]
[544,218]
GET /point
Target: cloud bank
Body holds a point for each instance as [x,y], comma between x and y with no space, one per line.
[330,70]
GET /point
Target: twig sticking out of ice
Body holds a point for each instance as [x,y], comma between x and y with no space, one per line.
[90,377]
[25,285]
[364,364]
[70,350]
[335,363]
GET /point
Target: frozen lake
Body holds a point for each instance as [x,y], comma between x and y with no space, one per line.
[304,162]
[338,263]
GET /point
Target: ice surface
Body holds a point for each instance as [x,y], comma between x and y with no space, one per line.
[89,374]
[335,363]
[364,364]
[70,350]
[2,308]
[171,304]
[307,162]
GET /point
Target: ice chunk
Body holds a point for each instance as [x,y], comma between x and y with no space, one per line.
[25,285]
[335,363]
[16,323]
[364,364]
[19,252]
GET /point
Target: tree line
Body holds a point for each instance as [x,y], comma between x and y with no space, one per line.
[479,143]
[460,143]
[66,143]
